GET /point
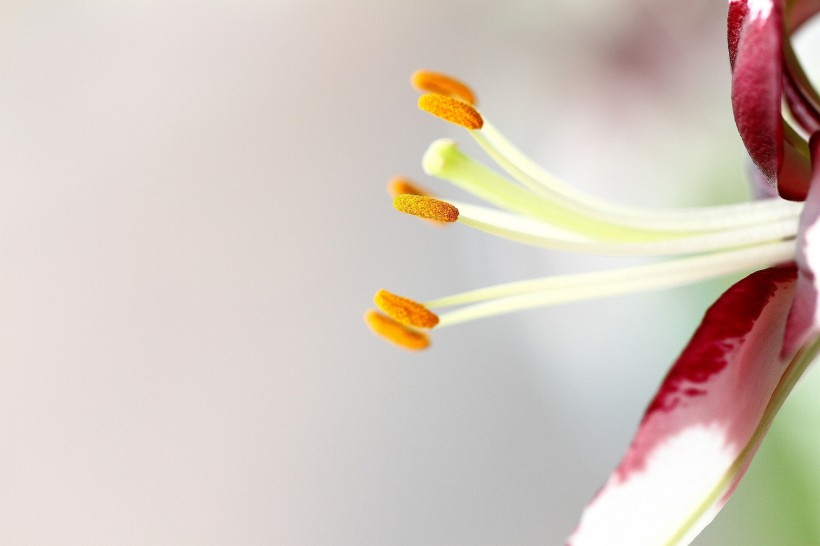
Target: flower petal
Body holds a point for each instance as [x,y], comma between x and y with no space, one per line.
[800,11]
[698,434]
[755,33]
[759,186]
[738,11]
[804,318]
[801,103]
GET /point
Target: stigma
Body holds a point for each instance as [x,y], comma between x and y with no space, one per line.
[523,202]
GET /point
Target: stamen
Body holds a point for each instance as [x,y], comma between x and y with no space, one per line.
[399,185]
[547,186]
[442,84]
[444,160]
[425,206]
[451,110]
[517,296]
[396,333]
[538,209]
[534,232]
[405,310]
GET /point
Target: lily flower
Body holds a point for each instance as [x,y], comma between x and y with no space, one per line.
[702,428]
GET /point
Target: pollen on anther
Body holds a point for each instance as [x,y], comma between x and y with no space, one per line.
[442,84]
[398,185]
[425,206]
[405,310]
[389,329]
[452,110]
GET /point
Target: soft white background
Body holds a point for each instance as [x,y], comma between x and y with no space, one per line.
[193,219]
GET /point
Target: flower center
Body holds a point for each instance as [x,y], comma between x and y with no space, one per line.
[534,207]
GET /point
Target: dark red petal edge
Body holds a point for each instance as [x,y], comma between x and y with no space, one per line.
[755,43]
[738,10]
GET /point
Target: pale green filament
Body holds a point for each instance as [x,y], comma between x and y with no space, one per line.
[444,160]
[517,296]
[546,185]
[538,209]
[537,233]
[531,175]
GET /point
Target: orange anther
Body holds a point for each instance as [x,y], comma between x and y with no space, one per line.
[425,206]
[452,110]
[442,84]
[405,310]
[389,329]
[399,185]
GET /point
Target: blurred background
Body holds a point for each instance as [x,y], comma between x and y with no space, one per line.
[193,219]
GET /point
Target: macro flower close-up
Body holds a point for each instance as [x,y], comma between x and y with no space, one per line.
[589,291]
[712,410]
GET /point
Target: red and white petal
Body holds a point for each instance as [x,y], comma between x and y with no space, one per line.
[699,433]
[755,34]
[804,319]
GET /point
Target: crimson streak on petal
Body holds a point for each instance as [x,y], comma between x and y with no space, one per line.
[685,459]
[724,330]
[725,324]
